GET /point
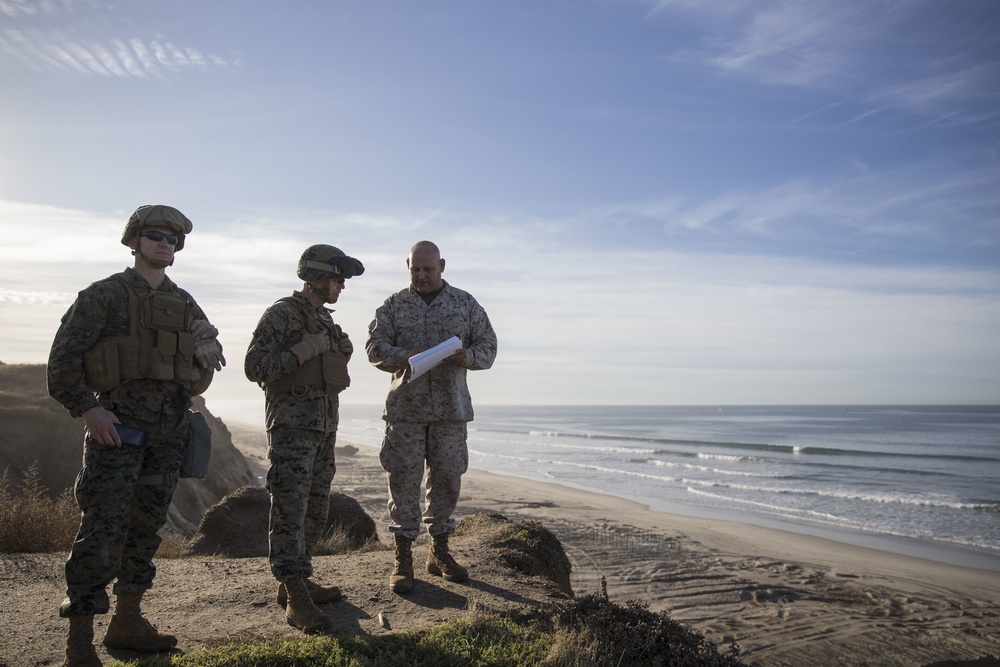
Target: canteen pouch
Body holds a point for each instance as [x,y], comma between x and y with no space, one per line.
[198,454]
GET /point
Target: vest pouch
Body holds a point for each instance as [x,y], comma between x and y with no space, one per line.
[129,364]
[100,366]
[184,370]
[306,376]
[165,312]
[161,358]
[335,375]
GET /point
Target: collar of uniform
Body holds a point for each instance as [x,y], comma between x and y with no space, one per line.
[134,279]
[302,297]
[416,295]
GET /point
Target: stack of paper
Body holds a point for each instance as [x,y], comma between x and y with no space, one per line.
[428,359]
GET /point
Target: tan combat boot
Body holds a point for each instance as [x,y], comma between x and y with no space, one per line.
[130,629]
[440,562]
[319,593]
[302,612]
[401,579]
[80,651]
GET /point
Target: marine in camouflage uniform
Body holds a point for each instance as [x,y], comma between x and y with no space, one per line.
[426,419]
[131,350]
[299,356]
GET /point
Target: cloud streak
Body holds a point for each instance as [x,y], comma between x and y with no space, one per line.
[55,51]
[851,48]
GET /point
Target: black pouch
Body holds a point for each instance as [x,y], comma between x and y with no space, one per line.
[199,450]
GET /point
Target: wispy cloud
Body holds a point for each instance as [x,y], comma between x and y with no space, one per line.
[965,95]
[31,298]
[869,52]
[60,52]
[925,212]
[15,8]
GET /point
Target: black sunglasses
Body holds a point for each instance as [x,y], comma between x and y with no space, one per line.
[156,237]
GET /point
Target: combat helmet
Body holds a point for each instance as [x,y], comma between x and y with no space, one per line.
[319,260]
[157,214]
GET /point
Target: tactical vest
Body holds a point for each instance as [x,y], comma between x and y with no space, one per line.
[326,371]
[158,347]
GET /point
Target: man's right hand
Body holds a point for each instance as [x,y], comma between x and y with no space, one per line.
[101,424]
[310,346]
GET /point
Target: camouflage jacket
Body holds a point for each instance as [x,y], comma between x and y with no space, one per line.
[101,310]
[404,323]
[270,357]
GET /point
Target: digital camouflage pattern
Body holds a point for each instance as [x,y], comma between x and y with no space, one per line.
[298,479]
[270,357]
[405,450]
[426,420]
[100,311]
[120,518]
[157,214]
[302,433]
[404,323]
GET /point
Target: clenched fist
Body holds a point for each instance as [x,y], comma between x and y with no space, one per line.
[310,346]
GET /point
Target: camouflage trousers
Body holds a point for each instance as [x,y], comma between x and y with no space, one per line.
[302,469]
[120,517]
[406,449]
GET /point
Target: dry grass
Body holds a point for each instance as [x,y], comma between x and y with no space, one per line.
[341,541]
[31,521]
[591,631]
[173,546]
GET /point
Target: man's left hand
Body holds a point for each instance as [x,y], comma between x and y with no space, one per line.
[208,353]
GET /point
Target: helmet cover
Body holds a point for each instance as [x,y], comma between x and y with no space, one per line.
[160,215]
[321,260]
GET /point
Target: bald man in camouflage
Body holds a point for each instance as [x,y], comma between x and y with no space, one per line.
[299,357]
[426,420]
[130,352]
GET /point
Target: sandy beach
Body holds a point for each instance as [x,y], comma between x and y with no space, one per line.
[787,599]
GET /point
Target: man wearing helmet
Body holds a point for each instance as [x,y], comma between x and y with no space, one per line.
[299,356]
[129,354]
[426,418]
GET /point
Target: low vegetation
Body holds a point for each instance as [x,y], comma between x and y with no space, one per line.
[585,632]
[31,521]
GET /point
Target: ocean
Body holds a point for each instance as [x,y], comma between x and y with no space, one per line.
[919,480]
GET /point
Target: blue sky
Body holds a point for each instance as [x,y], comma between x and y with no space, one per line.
[661,202]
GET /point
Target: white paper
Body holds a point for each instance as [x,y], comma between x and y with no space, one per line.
[428,359]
